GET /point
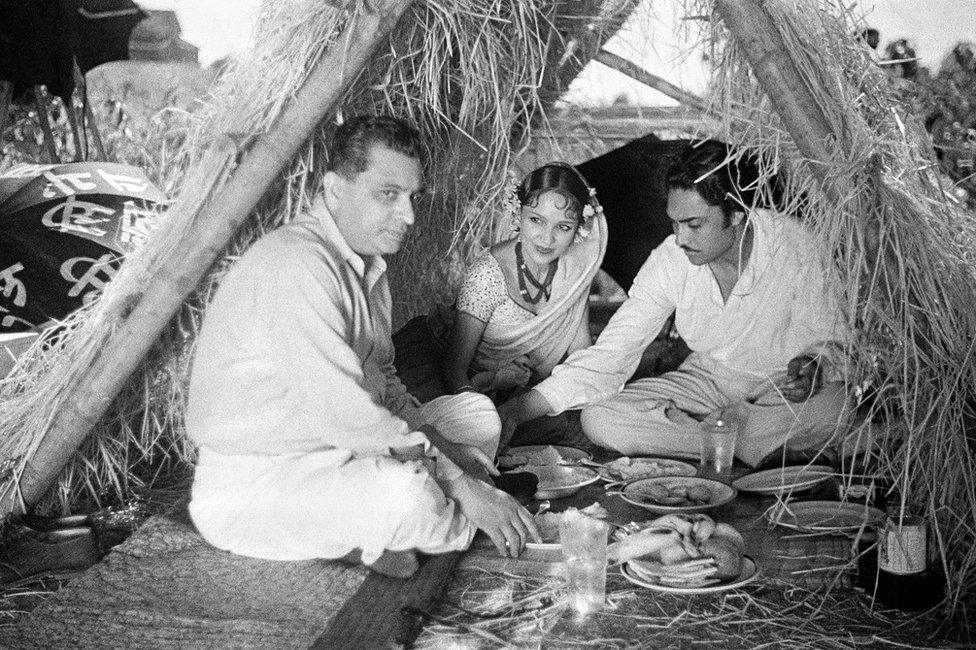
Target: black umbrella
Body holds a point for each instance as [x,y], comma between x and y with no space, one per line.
[64,230]
[41,39]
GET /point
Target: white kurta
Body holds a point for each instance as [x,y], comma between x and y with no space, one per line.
[779,308]
[295,405]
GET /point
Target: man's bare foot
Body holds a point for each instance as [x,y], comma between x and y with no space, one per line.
[396,564]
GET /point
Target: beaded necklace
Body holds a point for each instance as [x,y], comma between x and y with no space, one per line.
[544,287]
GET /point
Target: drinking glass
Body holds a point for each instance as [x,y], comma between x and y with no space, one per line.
[718,439]
[584,547]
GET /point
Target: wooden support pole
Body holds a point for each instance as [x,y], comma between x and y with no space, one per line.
[88,119]
[135,330]
[6,94]
[754,31]
[77,127]
[40,105]
[638,73]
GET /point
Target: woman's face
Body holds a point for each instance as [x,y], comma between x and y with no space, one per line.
[547,228]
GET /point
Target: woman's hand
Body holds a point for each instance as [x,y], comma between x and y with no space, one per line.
[514,374]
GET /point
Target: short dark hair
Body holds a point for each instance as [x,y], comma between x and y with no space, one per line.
[353,139]
[557,176]
[724,185]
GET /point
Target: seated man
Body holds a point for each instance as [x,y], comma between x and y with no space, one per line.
[750,299]
[310,447]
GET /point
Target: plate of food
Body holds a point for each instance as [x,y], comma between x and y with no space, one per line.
[558,481]
[651,579]
[629,469]
[665,494]
[538,455]
[782,480]
[548,524]
[824,516]
[684,553]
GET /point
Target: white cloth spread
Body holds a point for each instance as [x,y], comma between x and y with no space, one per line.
[295,405]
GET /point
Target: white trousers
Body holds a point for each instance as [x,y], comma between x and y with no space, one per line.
[634,421]
[325,504]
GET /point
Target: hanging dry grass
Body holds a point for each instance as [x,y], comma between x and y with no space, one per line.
[902,250]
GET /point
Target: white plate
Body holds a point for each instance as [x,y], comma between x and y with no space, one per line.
[781,480]
[747,574]
[634,491]
[644,468]
[539,455]
[824,516]
[558,481]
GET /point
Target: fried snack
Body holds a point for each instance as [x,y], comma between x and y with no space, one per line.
[686,550]
[727,556]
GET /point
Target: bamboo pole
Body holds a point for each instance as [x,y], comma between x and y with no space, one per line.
[753,29]
[637,73]
[88,118]
[40,105]
[76,130]
[179,273]
[6,93]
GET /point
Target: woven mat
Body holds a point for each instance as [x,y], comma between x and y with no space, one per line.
[165,587]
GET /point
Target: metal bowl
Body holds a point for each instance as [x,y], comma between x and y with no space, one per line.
[558,481]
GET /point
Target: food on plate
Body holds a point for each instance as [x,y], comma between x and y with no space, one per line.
[547,455]
[686,550]
[675,494]
[557,476]
[595,510]
[548,524]
[627,469]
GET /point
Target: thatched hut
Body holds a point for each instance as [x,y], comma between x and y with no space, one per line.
[479,77]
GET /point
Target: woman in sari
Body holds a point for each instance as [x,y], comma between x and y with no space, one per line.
[522,307]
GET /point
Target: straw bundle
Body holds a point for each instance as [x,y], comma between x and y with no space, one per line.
[903,253]
[469,73]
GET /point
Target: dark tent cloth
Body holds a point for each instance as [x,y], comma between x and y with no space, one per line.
[41,39]
[631,185]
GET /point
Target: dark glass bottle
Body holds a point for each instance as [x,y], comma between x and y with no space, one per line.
[893,563]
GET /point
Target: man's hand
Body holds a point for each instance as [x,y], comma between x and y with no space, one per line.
[508,524]
[803,379]
[524,407]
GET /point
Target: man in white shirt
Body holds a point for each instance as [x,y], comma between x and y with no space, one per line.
[751,301]
[309,445]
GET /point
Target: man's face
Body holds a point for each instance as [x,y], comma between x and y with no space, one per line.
[375,209]
[699,228]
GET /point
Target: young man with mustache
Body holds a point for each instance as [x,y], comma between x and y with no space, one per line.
[750,299]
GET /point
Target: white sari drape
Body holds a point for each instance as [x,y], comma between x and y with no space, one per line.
[543,340]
